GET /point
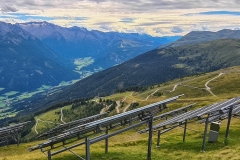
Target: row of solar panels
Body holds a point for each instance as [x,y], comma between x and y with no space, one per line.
[213,111]
[105,122]
[13,130]
[60,128]
[173,112]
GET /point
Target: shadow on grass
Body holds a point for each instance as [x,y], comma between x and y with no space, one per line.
[98,156]
[175,147]
[194,144]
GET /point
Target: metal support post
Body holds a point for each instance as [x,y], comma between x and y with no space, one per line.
[150,137]
[185,130]
[7,141]
[49,155]
[205,134]
[158,140]
[130,122]
[87,142]
[18,139]
[106,142]
[228,125]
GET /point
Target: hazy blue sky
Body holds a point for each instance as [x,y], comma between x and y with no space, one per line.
[155,17]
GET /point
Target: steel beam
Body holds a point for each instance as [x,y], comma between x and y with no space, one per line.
[87,143]
[158,140]
[205,134]
[106,142]
[150,123]
[185,130]
[100,138]
[228,125]
[49,155]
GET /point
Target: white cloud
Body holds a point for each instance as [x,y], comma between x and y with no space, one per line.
[106,28]
[155,17]
[8,8]
[177,29]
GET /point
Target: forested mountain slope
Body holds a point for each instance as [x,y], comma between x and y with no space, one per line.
[156,66]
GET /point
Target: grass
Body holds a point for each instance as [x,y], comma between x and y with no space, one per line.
[10,93]
[83,62]
[132,145]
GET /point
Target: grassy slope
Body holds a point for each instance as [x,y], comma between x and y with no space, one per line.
[131,145]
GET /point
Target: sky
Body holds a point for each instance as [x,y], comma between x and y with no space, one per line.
[153,17]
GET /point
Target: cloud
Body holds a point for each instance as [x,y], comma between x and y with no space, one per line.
[125,6]
[106,28]
[153,23]
[81,18]
[159,31]
[137,6]
[155,17]
[177,29]
[8,8]
[127,20]
[103,23]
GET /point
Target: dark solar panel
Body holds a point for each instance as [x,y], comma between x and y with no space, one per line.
[174,112]
[217,109]
[60,128]
[105,122]
[11,131]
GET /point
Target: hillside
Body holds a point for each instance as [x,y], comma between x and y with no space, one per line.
[224,84]
[195,37]
[156,66]
[40,58]
[26,63]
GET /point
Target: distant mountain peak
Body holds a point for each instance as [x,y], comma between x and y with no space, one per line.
[75,28]
[195,37]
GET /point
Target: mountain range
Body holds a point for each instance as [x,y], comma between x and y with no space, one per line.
[39,53]
[26,63]
[156,66]
[195,37]
[106,49]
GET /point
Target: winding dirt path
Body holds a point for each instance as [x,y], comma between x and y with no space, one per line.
[119,104]
[62,115]
[105,109]
[208,88]
[174,88]
[35,127]
[127,96]
[117,107]
[125,109]
[37,121]
[149,95]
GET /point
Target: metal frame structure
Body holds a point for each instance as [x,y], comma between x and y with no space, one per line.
[62,127]
[12,132]
[173,112]
[206,114]
[144,114]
